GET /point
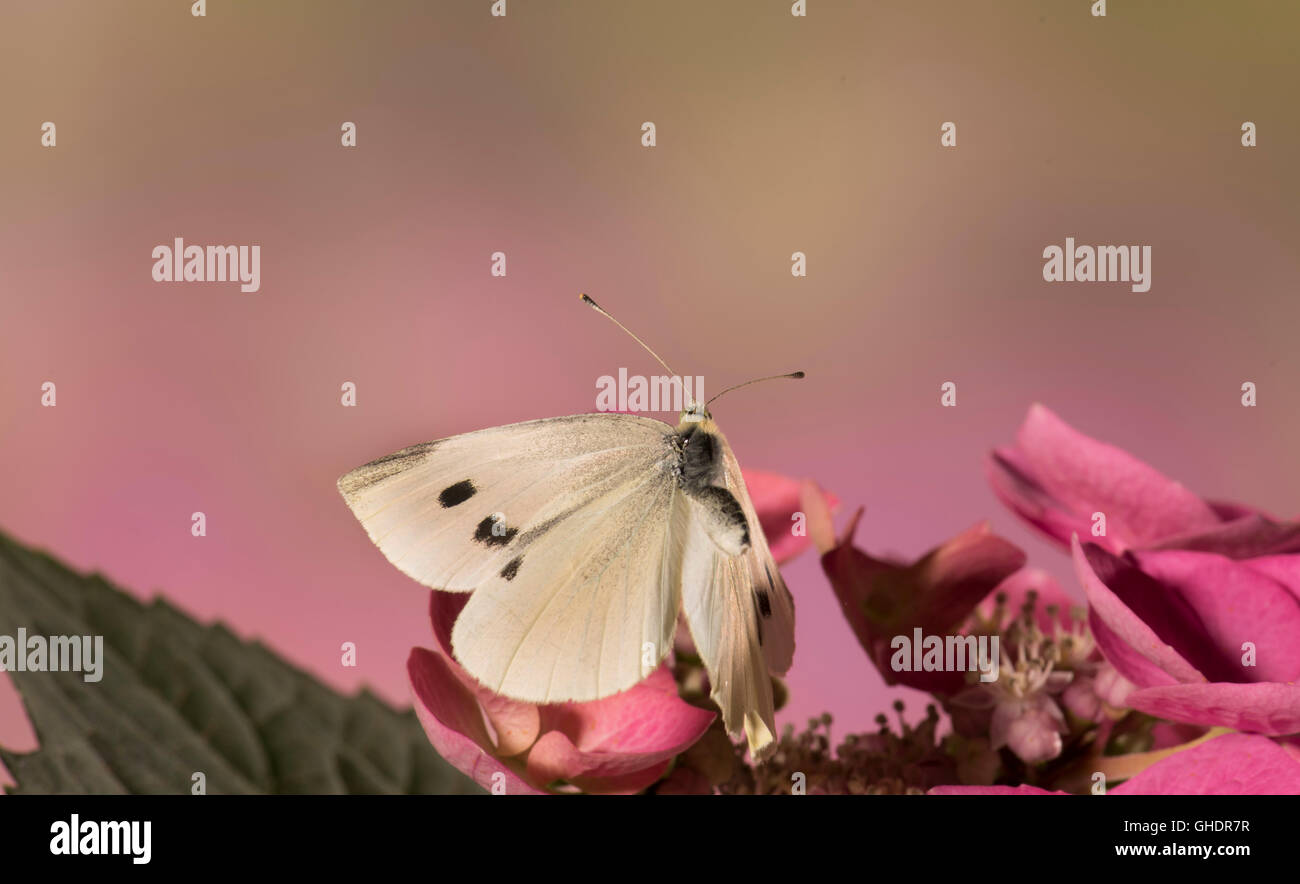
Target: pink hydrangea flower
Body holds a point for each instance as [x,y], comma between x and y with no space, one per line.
[1177,586]
[1205,639]
[936,593]
[1056,478]
[1056,667]
[620,744]
[1030,725]
[1231,764]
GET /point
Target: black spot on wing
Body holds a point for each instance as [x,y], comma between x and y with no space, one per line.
[454,495]
[764,603]
[490,534]
[512,568]
[758,626]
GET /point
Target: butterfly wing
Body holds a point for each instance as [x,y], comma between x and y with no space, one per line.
[590,609]
[741,617]
[451,513]
[566,529]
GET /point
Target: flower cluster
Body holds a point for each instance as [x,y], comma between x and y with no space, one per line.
[621,744]
[1180,674]
[880,763]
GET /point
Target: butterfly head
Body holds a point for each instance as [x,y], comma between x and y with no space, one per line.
[693,413]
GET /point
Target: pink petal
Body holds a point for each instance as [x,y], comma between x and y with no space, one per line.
[1260,707]
[620,744]
[1031,728]
[1056,478]
[514,724]
[1228,510]
[776,499]
[857,579]
[821,529]
[956,576]
[1241,538]
[1112,688]
[1124,658]
[1124,638]
[452,719]
[556,758]
[1013,480]
[1234,604]
[16,732]
[991,790]
[648,722]
[853,575]
[1284,569]
[881,599]
[444,608]
[1033,741]
[1082,699]
[1233,764]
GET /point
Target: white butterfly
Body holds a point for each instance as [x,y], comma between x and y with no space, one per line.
[582,538]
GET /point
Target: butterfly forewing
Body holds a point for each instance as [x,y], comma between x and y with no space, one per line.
[455,512]
[563,528]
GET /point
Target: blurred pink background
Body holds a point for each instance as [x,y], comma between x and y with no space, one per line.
[476,134]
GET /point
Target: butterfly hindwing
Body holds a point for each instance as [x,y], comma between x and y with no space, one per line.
[741,617]
[588,610]
[773,603]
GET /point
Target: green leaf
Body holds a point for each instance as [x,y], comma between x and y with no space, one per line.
[178,697]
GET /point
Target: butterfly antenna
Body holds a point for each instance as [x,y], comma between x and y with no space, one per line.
[794,375]
[586,299]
